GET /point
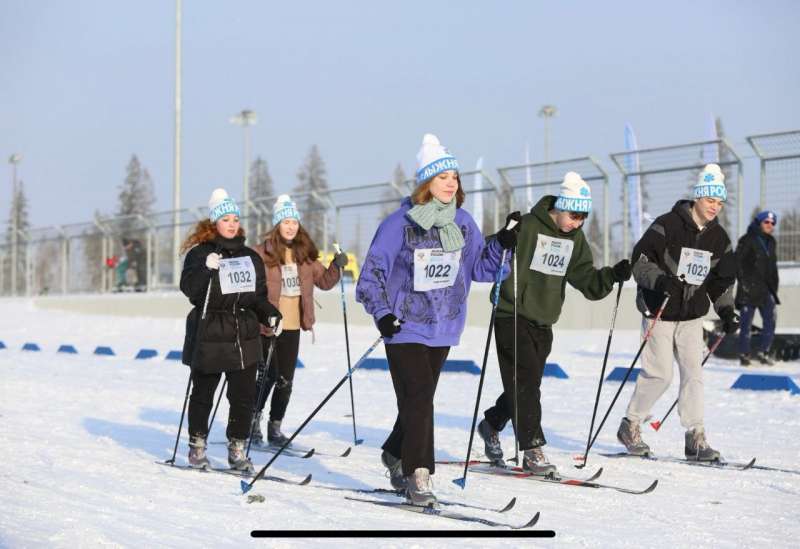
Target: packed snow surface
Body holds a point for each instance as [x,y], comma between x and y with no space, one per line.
[82,434]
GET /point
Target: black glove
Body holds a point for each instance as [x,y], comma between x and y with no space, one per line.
[671,286]
[388,325]
[507,238]
[730,320]
[340,260]
[622,270]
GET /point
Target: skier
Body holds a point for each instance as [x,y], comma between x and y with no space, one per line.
[685,254]
[293,269]
[757,276]
[552,250]
[227,340]
[414,282]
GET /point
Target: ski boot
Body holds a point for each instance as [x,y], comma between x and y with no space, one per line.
[630,435]
[274,435]
[744,359]
[491,442]
[197,452]
[419,489]
[236,456]
[395,470]
[257,439]
[697,449]
[534,461]
[764,359]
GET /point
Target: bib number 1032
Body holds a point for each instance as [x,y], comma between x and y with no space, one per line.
[237,274]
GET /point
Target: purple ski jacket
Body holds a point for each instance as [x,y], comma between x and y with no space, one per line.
[386,285]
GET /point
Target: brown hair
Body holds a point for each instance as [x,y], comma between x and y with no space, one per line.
[303,247]
[204,231]
[422,194]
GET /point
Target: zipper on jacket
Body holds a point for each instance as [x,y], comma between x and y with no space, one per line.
[236,323]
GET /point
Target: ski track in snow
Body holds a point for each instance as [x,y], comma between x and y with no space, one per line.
[81,435]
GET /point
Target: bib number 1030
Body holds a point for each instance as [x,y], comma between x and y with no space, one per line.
[237,274]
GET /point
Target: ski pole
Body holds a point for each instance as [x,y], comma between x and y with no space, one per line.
[657,424]
[189,383]
[356,440]
[246,486]
[628,373]
[216,406]
[516,410]
[496,298]
[602,375]
[261,389]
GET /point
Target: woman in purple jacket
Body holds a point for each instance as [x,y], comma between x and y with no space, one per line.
[414,282]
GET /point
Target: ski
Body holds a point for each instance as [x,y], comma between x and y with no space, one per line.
[719,464]
[517,472]
[296,452]
[445,513]
[502,465]
[236,473]
[399,493]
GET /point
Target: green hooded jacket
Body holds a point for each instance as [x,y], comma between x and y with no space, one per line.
[540,296]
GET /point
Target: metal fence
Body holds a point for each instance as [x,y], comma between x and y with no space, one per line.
[74,258]
[666,175]
[779,158]
[527,183]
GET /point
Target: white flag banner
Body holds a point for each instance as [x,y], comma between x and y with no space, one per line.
[634,185]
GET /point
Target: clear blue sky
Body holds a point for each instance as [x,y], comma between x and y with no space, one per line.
[87,83]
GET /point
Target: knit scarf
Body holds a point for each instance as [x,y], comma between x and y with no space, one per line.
[438,214]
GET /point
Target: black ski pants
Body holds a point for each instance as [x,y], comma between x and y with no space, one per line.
[533,346]
[280,373]
[240,393]
[415,372]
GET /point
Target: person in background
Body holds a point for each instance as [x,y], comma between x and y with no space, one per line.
[757,289]
[293,269]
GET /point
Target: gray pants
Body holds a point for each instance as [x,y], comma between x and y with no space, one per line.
[684,341]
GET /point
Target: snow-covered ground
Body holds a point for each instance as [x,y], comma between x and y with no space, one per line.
[81,435]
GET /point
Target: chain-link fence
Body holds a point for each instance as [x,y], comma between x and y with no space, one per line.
[779,158]
[528,183]
[668,174]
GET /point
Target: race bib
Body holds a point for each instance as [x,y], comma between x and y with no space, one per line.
[237,274]
[694,265]
[435,268]
[290,280]
[552,255]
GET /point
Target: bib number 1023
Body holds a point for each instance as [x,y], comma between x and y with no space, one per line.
[694,265]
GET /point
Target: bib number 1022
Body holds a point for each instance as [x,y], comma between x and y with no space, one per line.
[437,271]
[239,277]
[553,260]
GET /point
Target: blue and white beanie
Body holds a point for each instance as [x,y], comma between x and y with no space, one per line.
[765,215]
[220,205]
[284,208]
[711,183]
[433,159]
[574,195]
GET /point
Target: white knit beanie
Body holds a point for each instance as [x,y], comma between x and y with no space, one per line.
[220,205]
[574,194]
[284,208]
[433,159]
[711,183]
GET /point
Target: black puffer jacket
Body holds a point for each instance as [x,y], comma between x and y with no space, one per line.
[229,335]
[658,253]
[757,268]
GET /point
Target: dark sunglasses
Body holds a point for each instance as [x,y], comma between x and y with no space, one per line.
[767,222]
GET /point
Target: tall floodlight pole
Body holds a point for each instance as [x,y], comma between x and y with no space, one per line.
[176,169]
[14,159]
[245,119]
[547,112]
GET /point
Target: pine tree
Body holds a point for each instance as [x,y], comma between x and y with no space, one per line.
[136,197]
[19,211]
[261,185]
[310,194]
